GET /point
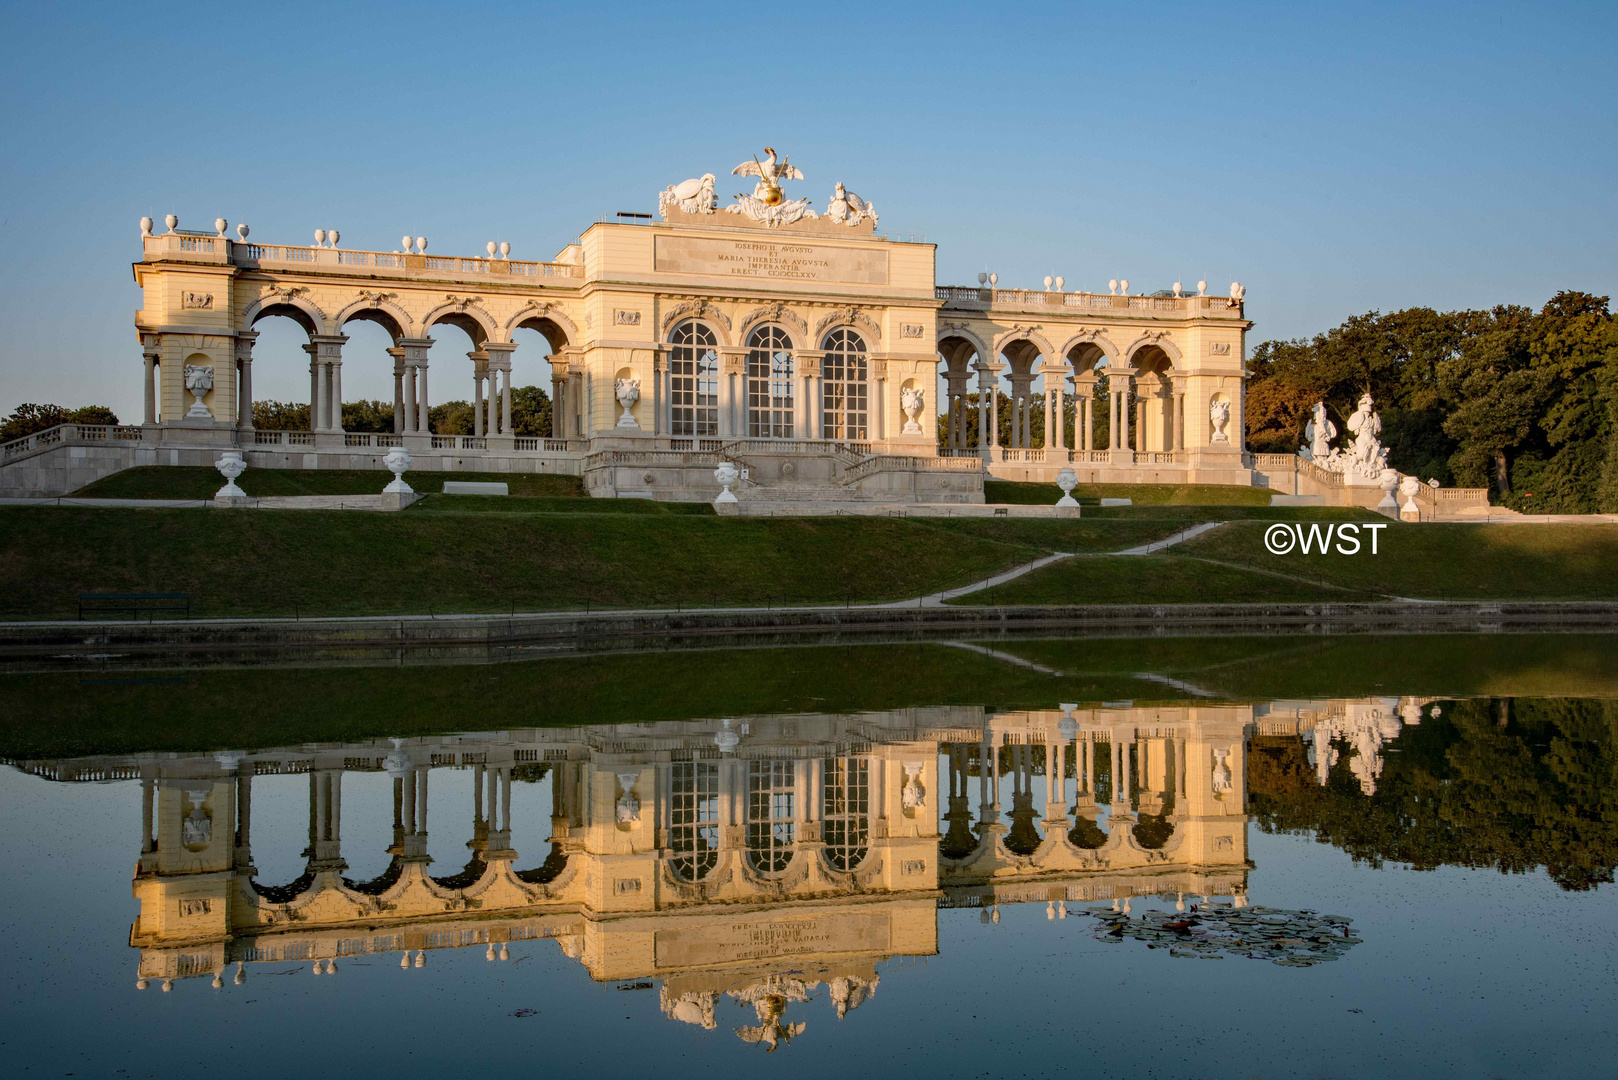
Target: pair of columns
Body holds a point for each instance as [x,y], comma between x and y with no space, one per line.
[410,402]
[325,382]
[492,363]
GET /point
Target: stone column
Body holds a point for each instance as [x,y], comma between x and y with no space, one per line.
[244,378]
[1140,422]
[415,383]
[499,368]
[1179,414]
[558,403]
[477,395]
[398,389]
[326,353]
[149,357]
[314,388]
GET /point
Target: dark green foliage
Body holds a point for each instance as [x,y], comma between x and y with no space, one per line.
[1518,401]
[1513,784]
[28,418]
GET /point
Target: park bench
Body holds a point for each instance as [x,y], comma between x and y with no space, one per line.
[133,604]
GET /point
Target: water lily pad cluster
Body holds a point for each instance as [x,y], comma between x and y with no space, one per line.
[1209,932]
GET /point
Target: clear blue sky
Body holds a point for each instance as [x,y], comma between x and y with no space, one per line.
[1335,159]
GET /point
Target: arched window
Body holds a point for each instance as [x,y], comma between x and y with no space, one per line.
[847,822]
[771,824]
[694,818]
[694,369]
[843,378]
[769,384]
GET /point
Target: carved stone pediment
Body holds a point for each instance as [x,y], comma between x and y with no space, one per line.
[695,309]
[849,316]
[777,313]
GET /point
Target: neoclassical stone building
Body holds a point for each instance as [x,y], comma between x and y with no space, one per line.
[800,343]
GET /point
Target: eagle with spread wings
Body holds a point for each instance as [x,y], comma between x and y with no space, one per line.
[770,173]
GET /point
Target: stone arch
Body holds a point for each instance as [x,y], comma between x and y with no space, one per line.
[780,314]
[466,313]
[848,316]
[378,308]
[1092,346]
[1141,349]
[961,332]
[702,312]
[549,320]
[290,303]
[1029,334]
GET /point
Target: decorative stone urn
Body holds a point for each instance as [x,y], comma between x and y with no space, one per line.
[1387,482]
[398,462]
[198,381]
[912,400]
[1409,510]
[627,392]
[1067,480]
[230,466]
[726,475]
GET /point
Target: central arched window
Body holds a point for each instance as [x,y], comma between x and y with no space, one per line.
[769,384]
[694,818]
[694,370]
[847,821]
[771,824]
[843,378]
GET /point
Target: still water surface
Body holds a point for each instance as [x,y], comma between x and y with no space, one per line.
[1187,882]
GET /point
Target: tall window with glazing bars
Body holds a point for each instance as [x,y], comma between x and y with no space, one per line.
[847,821]
[769,384]
[771,823]
[694,372]
[843,379]
[694,818]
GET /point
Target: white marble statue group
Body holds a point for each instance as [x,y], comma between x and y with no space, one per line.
[1364,460]
[766,204]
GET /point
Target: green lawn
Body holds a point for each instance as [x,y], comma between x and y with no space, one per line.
[518,504]
[273,563]
[1445,561]
[200,482]
[86,712]
[1152,579]
[1013,491]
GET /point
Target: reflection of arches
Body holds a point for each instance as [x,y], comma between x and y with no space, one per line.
[381,883]
[772,827]
[283,894]
[845,827]
[547,871]
[1086,834]
[470,875]
[694,819]
[1152,831]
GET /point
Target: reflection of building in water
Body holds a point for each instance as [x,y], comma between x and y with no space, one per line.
[767,860]
[1365,725]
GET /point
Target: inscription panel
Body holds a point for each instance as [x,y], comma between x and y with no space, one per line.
[778,259]
[728,943]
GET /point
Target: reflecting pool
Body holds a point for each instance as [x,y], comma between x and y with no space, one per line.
[1019,857]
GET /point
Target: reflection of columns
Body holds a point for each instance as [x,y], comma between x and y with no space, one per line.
[244,813]
[325,819]
[1179,761]
[147,793]
[244,378]
[1120,784]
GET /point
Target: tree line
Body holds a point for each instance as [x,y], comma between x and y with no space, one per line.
[530,415]
[1522,402]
